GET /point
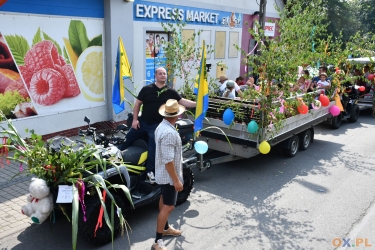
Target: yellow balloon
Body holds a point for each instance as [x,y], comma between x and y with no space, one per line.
[264,147]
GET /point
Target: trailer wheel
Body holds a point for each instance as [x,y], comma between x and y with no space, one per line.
[293,145]
[354,113]
[305,139]
[336,121]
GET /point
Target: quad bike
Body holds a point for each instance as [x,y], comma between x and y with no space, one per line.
[131,173]
[349,101]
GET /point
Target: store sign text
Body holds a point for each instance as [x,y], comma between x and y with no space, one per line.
[168,13]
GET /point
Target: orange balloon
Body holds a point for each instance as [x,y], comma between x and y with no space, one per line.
[324,100]
[303,109]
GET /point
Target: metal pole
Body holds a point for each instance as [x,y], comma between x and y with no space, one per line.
[262,13]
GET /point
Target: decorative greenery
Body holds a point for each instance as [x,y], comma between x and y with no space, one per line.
[74,165]
[182,57]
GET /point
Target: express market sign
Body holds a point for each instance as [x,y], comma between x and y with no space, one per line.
[157,12]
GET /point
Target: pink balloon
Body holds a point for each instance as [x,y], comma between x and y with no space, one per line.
[334,110]
[371,77]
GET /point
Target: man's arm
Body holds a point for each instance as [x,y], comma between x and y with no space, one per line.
[136,109]
[187,103]
[172,173]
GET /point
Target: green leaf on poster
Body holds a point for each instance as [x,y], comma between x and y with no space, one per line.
[19,59]
[18,46]
[78,36]
[66,57]
[47,37]
[96,41]
[37,37]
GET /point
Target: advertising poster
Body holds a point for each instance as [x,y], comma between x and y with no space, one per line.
[50,65]
[155,45]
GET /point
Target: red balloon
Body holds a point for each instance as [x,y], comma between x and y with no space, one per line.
[324,100]
[361,88]
[303,109]
[371,77]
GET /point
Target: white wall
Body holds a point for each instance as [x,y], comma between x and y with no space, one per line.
[139,72]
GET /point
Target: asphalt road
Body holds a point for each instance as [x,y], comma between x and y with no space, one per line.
[266,202]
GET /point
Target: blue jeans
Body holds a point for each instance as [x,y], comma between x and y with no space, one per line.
[144,130]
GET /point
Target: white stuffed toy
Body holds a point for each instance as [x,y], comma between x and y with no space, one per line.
[40,201]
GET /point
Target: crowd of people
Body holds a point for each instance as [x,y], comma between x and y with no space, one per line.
[304,84]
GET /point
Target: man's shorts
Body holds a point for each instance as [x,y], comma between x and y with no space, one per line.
[169,194]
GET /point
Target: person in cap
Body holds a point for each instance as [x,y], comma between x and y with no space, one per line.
[168,169]
[151,97]
[223,80]
[228,92]
[322,84]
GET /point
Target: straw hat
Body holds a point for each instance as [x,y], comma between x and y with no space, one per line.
[223,78]
[171,109]
[323,74]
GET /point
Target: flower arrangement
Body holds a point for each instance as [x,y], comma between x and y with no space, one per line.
[73,164]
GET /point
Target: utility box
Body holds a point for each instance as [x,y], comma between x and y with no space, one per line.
[220,70]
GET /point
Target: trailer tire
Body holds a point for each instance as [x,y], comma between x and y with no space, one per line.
[354,113]
[292,148]
[305,139]
[336,121]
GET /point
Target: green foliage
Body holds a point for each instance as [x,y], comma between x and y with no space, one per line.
[9,100]
[183,55]
[73,165]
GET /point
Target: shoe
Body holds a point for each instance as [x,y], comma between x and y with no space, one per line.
[172,231]
[150,178]
[159,245]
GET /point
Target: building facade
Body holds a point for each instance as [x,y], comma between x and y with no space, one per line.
[62,55]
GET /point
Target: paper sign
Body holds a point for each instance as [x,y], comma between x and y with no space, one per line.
[65,194]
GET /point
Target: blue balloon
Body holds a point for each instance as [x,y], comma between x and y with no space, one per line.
[252,127]
[228,116]
[201,147]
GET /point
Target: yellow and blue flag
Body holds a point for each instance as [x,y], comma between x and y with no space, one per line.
[202,98]
[122,72]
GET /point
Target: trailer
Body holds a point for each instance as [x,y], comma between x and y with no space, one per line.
[296,132]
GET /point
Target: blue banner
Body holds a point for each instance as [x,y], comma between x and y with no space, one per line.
[159,12]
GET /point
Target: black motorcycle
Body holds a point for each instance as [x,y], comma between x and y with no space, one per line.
[349,100]
[130,173]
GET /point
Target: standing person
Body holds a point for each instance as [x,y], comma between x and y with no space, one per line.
[168,169]
[151,96]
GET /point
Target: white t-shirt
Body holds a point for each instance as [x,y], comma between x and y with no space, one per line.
[320,83]
[224,86]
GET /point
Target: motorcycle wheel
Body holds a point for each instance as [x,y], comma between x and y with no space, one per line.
[336,121]
[188,176]
[354,113]
[103,234]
